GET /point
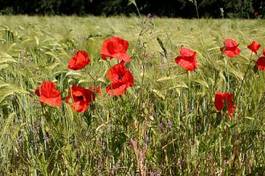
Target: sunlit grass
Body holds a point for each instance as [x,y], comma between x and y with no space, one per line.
[168,112]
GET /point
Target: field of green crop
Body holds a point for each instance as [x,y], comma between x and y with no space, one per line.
[166,124]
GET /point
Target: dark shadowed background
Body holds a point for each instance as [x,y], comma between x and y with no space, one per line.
[165,8]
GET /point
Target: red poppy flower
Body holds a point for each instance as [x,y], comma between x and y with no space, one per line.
[79,60]
[254,46]
[121,78]
[260,64]
[231,48]
[115,47]
[187,59]
[264,52]
[80,98]
[225,100]
[48,94]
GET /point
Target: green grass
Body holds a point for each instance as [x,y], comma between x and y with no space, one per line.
[166,124]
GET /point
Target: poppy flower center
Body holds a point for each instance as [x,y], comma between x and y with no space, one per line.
[120,76]
[80,98]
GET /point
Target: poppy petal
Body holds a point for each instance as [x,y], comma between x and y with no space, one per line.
[232,53]
[185,52]
[225,99]
[79,60]
[48,94]
[219,102]
[115,47]
[116,89]
[80,98]
[230,48]
[260,64]
[254,46]
[187,63]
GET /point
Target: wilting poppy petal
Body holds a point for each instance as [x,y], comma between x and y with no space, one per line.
[48,94]
[254,46]
[79,60]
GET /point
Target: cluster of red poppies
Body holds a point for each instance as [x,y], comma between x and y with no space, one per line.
[121,78]
[79,97]
[223,100]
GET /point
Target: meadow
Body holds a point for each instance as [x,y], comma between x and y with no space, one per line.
[166,124]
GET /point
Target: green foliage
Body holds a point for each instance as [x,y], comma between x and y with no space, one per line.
[165,125]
